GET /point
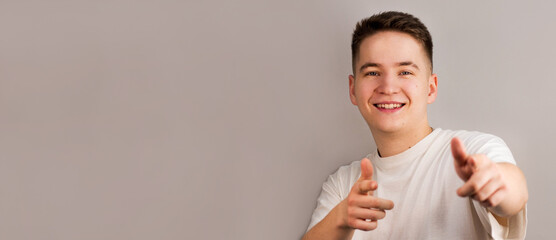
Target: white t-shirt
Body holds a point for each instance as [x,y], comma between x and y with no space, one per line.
[422,183]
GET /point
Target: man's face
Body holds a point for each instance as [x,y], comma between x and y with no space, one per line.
[393,83]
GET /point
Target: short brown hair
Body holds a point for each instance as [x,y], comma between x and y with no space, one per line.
[390,21]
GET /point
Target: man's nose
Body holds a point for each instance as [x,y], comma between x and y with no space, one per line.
[388,84]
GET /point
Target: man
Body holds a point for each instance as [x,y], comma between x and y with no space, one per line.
[408,188]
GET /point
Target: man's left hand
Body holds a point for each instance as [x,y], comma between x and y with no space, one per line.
[484,181]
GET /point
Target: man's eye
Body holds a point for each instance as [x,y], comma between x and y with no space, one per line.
[405,73]
[372,74]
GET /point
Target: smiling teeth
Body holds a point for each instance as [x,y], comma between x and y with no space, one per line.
[389,106]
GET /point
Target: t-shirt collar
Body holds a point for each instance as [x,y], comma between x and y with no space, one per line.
[405,156]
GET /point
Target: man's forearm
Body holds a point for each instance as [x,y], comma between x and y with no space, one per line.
[517,191]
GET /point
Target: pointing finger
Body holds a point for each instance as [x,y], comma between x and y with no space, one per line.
[366,169]
[458,151]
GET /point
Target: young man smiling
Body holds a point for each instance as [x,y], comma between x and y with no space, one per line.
[421,183]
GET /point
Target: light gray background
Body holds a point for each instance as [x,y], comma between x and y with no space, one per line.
[221,119]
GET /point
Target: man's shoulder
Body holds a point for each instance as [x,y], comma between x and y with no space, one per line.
[347,174]
[466,135]
[480,142]
[349,170]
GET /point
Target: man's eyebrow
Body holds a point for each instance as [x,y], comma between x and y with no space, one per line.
[369,64]
[409,63]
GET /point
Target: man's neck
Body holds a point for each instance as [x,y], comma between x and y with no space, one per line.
[392,143]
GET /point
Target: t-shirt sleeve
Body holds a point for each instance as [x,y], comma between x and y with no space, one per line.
[331,194]
[496,150]
[515,228]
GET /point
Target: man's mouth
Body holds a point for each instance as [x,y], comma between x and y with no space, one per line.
[389,105]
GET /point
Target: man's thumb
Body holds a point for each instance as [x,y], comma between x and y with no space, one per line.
[366,169]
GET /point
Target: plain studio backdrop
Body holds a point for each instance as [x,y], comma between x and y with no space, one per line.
[221,119]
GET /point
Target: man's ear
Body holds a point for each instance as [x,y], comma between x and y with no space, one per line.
[352,90]
[433,88]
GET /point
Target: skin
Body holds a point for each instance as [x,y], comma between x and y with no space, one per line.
[392,67]
[351,212]
[500,187]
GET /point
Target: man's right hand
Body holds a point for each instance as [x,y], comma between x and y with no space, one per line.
[361,208]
